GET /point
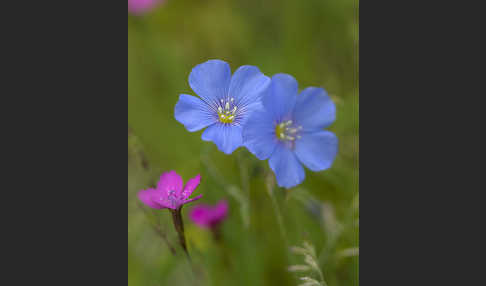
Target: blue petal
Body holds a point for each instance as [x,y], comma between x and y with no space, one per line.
[259,134]
[193,113]
[281,96]
[317,150]
[210,80]
[247,85]
[286,166]
[314,109]
[227,137]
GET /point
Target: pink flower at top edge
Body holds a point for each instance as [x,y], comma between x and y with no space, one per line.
[208,216]
[139,7]
[169,192]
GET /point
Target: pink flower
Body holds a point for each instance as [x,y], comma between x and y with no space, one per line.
[139,7]
[207,216]
[169,192]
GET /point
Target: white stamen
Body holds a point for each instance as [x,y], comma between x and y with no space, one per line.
[292,130]
[287,131]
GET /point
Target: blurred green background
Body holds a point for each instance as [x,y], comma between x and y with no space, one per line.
[316,41]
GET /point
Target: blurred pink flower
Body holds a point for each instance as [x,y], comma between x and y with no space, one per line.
[207,216]
[169,192]
[139,7]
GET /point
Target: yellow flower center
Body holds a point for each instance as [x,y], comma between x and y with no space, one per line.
[285,131]
[227,111]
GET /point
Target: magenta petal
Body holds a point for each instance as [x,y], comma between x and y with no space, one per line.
[139,7]
[170,181]
[200,215]
[190,186]
[191,200]
[221,211]
[146,197]
[207,216]
[163,201]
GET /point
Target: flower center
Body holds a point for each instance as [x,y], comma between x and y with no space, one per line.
[227,110]
[287,131]
[172,197]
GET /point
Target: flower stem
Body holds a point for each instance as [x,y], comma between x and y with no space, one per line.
[270,184]
[179,226]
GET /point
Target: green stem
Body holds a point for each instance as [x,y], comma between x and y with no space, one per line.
[270,184]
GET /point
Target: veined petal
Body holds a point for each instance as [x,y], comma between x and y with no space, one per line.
[190,186]
[226,136]
[194,113]
[246,112]
[259,134]
[146,197]
[280,97]
[247,85]
[210,80]
[287,168]
[317,150]
[170,181]
[314,109]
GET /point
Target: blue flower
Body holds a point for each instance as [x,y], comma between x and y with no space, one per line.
[225,102]
[289,130]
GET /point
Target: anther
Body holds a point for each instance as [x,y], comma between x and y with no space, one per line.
[287,131]
[291,130]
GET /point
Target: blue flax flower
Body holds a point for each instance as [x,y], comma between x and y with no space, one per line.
[224,102]
[289,130]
